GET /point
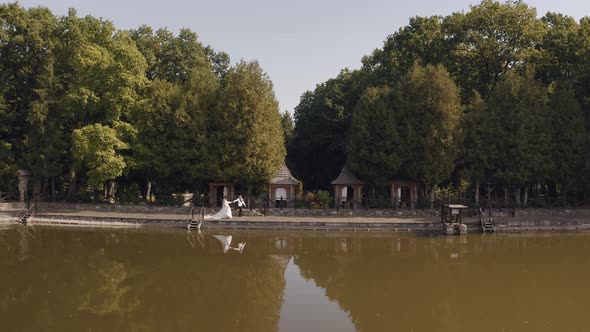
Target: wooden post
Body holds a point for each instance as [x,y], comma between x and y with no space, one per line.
[337,192]
[395,196]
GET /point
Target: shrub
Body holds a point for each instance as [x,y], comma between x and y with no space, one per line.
[323,199]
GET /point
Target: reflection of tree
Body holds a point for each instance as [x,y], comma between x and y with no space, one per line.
[448,284]
[137,281]
[106,295]
[64,279]
[116,280]
[224,293]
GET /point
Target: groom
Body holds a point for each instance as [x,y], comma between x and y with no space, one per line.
[241,204]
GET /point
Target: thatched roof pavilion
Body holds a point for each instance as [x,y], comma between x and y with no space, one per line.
[347,189]
[283,187]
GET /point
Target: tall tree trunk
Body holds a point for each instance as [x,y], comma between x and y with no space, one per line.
[53,188]
[72,189]
[517,195]
[249,198]
[526,195]
[489,196]
[432,196]
[506,188]
[477,192]
[552,192]
[44,185]
[112,186]
[148,191]
[564,196]
[196,194]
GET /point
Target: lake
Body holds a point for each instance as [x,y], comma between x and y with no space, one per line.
[95,279]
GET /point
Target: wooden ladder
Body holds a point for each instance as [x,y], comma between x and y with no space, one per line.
[196,223]
[487,224]
[24,215]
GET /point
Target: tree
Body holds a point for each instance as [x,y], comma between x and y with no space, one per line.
[322,121]
[178,115]
[96,148]
[430,105]
[246,135]
[490,40]
[171,58]
[558,56]
[155,123]
[7,164]
[100,75]
[568,137]
[220,62]
[479,142]
[26,78]
[422,40]
[374,150]
[288,127]
[519,107]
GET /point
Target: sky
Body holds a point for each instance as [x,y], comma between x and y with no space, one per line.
[299,44]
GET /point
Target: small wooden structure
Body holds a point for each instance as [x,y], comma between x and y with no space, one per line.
[347,189]
[23,182]
[216,192]
[452,213]
[404,192]
[283,188]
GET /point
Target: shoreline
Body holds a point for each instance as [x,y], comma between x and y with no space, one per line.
[423,221]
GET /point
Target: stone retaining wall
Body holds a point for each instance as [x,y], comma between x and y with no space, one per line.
[497,213]
[12,206]
[554,224]
[356,213]
[106,221]
[528,220]
[116,208]
[434,228]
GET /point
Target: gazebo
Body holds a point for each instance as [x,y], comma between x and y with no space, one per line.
[347,189]
[283,187]
[219,189]
[404,192]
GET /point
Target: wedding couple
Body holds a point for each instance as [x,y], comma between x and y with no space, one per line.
[225,212]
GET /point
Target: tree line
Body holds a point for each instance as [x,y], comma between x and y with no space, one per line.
[493,95]
[94,111]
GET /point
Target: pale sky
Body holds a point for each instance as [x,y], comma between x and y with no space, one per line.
[298,43]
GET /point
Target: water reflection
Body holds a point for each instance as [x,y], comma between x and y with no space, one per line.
[225,241]
[142,280]
[135,281]
[194,239]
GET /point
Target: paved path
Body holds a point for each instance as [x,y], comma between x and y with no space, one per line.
[271,218]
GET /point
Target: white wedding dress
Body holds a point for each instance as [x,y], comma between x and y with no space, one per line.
[224,213]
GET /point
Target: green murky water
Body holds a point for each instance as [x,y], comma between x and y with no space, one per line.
[82,279]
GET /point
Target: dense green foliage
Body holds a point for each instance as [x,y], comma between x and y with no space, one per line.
[411,129]
[493,95]
[247,129]
[375,151]
[88,107]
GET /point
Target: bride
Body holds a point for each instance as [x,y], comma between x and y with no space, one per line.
[224,213]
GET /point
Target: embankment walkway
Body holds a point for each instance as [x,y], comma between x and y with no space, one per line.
[425,221]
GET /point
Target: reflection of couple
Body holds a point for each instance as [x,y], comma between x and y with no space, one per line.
[225,212]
